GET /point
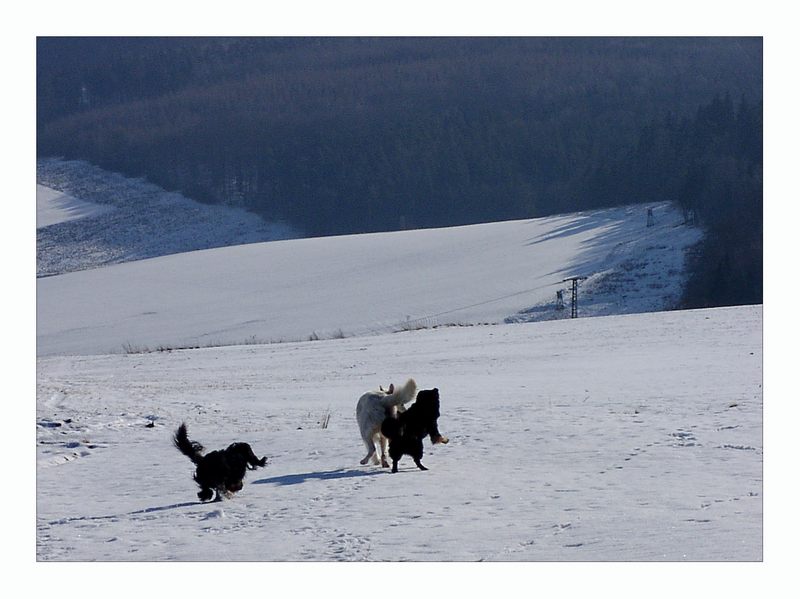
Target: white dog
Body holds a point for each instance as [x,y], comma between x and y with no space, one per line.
[372,408]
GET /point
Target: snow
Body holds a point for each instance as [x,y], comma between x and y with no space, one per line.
[354,285]
[54,207]
[634,435]
[627,438]
[88,217]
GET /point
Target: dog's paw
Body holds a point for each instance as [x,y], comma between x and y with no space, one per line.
[441,439]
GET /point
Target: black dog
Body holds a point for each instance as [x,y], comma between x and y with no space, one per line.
[221,471]
[409,428]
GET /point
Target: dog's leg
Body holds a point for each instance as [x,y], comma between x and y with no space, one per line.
[370,451]
[376,442]
[417,454]
[395,452]
[255,463]
[384,443]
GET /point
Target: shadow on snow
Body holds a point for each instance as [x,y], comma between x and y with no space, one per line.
[296,479]
[148,510]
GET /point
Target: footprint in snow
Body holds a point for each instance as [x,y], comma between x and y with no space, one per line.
[218,513]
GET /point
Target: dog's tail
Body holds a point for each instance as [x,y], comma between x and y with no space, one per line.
[402,395]
[192,449]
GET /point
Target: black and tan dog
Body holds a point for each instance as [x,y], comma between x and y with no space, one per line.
[220,471]
[406,430]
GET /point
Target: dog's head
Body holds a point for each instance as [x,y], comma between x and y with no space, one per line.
[428,405]
[428,402]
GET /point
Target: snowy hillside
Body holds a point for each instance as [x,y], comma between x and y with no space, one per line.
[55,207]
[302,289]
[634,437]
[88,217]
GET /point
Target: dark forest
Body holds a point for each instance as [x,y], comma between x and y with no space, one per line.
[350,135]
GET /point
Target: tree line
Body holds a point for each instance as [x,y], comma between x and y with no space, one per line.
[711,164]
[348,135]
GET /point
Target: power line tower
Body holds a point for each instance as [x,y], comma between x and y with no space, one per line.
[574,280]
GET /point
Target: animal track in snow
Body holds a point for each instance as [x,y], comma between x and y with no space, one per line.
[684,439]
[740,447]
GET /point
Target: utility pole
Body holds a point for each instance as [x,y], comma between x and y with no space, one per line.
[574,281]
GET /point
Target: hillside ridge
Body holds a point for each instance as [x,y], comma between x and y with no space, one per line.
[355,285]
[135,220]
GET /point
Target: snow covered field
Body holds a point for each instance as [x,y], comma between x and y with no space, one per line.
[633,437]
[355,285]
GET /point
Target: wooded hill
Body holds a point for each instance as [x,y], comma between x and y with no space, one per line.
[347,135]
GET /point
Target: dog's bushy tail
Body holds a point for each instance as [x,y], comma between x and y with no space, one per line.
[402,395]
[192,449]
